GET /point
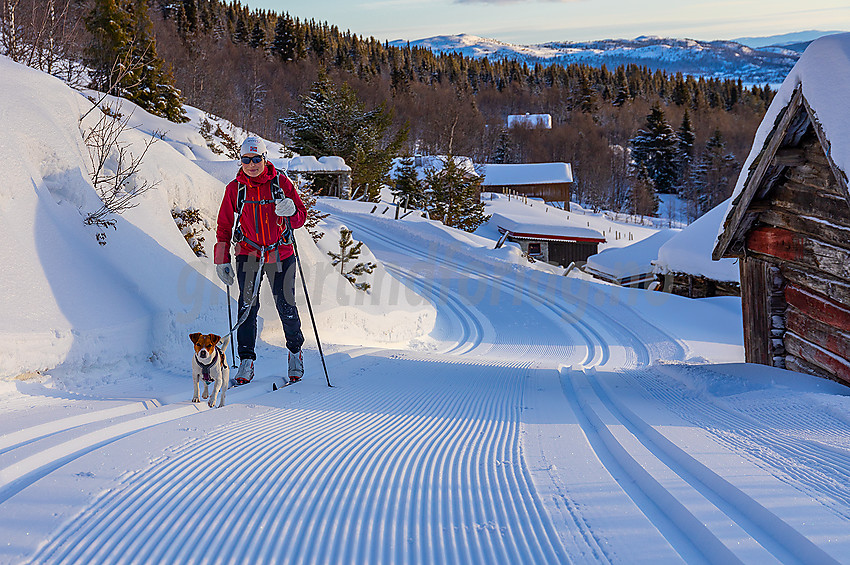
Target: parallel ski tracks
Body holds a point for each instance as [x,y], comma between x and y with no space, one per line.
[700,513]
[30,454]
[409,477]
[794,460]
[588,328]
[435,473]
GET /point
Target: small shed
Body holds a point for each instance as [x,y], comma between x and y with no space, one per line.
[550,243]
[632,265]
[543,121]
[789,221]
[684,264]
[333,166]
[552,182]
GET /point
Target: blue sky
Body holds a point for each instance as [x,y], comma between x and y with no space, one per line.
[538,21]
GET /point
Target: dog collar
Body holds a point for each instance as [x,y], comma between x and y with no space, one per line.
[205,369]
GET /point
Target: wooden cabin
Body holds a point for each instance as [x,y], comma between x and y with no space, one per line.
[552,182]
[557,242]
[790,228]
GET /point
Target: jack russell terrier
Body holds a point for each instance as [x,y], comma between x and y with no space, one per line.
[209,364]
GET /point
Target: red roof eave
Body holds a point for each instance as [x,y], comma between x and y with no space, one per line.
[552,237]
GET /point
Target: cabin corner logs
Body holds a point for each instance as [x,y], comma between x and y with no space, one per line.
[791,230]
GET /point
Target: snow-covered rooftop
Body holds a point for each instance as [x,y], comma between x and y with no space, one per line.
[824,73]
[309,164]
[531,173]
[534,219]
[690,251]
[532,120]
[632,260]
[434,163]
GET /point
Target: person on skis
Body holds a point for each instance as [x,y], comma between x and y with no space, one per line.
[253,215]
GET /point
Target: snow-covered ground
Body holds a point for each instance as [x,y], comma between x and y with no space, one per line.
[483,410]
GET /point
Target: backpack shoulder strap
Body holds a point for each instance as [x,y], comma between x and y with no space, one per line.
[240,198]
[240,203]
[277,190]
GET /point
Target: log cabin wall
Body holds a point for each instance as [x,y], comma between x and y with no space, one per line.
[553,192]
[801,243]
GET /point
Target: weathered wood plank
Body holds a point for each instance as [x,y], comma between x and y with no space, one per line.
[791,156]
[817,332]
[810,353]
[755,310]
[796,364]
[832,234]
[840,175]
[817,178]
[801,249]
[834,289]
[806,201]
[819,307]
[735,227]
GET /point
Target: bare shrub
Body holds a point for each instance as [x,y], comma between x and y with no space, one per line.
[113,169]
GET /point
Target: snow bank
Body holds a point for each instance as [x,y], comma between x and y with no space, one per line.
[69,300]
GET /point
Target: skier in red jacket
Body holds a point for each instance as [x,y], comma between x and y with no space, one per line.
[261,231]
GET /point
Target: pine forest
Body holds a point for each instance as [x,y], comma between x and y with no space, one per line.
[629,132]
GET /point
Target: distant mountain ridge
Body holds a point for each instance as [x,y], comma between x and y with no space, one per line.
[710,59]
[784,40]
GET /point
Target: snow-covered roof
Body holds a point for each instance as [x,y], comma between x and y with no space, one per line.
[533,120]
[530,173]
[823,74]
[435,163]
[690,250]
[309,164]
[534,226]
[629,261]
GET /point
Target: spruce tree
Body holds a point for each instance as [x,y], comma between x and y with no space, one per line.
[123,60]
[654,148]
[109,28]
[348,254]
[685,149]
[504,148]
[240,32]
[258,37]
[152,84]
[334,122]
[456,196]
[713,177]
[284,42]
[407,187]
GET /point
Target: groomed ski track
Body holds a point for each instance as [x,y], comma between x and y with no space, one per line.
[541,431]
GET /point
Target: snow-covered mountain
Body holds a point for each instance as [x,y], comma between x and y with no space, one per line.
[715,59]
[783,40]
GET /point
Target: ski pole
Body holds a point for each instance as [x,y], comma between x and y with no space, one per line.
[230,325]
[307,296]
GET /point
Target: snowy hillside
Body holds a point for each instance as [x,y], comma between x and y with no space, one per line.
[69,300]
[483,410]
[715,59]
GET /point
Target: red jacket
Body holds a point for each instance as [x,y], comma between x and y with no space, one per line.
[259,222]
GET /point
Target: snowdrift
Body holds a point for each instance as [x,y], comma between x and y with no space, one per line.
[68,300]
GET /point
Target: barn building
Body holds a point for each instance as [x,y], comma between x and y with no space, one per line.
[552,182]
[557,243]
[789,221]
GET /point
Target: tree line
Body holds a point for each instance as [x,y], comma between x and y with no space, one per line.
[254,67]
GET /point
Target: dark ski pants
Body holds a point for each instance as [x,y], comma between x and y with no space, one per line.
[282,277]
